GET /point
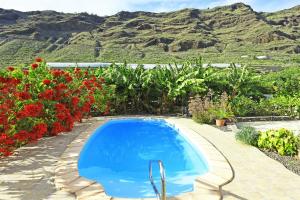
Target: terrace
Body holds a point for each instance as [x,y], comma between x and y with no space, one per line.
[55,111]
[51,164]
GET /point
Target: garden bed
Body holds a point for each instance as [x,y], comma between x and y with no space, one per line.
[291,163]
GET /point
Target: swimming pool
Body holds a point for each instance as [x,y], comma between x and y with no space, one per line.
[117,156]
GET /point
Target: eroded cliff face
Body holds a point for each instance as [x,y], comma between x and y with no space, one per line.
[58,36]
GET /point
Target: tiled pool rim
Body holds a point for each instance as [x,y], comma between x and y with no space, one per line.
[206,186]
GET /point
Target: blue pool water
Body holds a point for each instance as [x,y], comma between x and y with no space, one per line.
[117,156]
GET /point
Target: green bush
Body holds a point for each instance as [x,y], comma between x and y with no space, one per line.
[278,105]
[162,89]
[286,105]
[243,106]
[283,141]
[247,135]
[203,118]
[285,82]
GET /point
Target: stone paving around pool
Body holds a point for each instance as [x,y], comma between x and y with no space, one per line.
[205,187]
[29,173]
[256,176]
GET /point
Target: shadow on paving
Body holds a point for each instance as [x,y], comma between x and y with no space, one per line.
[29,174]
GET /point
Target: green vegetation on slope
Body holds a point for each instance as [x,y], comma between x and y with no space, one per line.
[232,33]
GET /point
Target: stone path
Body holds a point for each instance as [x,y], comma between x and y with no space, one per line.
[28,174]
[293,125]
[257,176]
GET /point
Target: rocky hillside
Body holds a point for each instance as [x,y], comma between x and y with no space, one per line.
[221,34]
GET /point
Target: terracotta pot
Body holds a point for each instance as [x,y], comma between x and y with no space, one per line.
[220,122]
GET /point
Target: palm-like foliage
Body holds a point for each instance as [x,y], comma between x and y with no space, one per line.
[156,90]
[167,89]
[243,82]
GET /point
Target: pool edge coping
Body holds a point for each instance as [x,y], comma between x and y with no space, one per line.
[208,185]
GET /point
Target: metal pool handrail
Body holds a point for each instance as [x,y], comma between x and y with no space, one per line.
[162,195]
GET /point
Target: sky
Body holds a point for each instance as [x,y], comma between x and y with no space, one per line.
[109,7]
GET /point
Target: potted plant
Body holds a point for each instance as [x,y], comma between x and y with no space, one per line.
[221,115]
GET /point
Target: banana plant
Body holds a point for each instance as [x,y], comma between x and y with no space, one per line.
[241,81]
[158,89]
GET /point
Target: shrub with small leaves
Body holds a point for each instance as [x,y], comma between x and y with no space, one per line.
[282,141]
[247,135]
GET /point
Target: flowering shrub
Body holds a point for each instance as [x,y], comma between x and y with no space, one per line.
[41,102]
[206,109]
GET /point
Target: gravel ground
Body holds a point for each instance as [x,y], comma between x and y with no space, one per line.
[28,174]
[291,163]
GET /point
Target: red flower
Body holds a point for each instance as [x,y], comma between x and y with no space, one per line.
[77,70]
[9,141]
[21,136]
[38,59]
[40,130]
[77,115]
[57,73]
[86,107]
[60,107]
[5,152]
[60,101]
[47,94]
[46,82]
[75,101]
[27,86]
[34,65]
[3,121]
[69,122]
[23,95]
[10,81]
[92,99]
[10,68]
[56,128]
[87,84]
[3,137]
[61,116]
[31,110]
[69,79]
[61,86]
[3,80]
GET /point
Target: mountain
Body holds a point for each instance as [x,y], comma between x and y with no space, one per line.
[234,33]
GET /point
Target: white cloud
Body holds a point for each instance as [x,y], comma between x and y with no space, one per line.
[100,7]
[109,7]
